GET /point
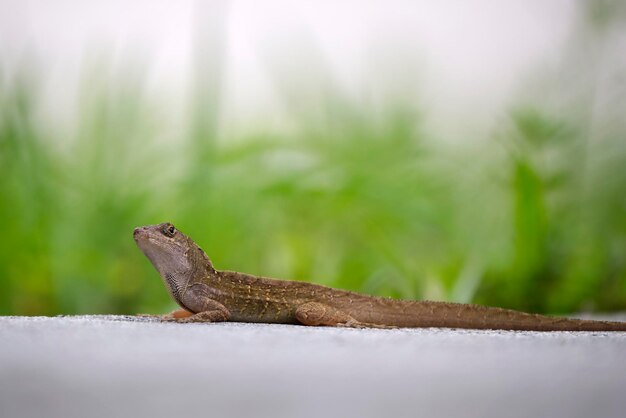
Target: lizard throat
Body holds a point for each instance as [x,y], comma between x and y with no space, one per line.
[173,286]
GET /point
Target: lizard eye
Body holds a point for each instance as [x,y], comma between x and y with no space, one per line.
[169,230]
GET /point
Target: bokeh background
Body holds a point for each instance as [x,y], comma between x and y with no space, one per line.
[462,151]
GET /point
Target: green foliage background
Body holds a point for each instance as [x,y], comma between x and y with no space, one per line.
[532,218]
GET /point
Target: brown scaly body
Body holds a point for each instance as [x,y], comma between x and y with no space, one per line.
[209,295]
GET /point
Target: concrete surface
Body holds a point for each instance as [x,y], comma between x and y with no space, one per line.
[108,366]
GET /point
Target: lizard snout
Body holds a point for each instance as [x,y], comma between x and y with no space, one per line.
[137,231]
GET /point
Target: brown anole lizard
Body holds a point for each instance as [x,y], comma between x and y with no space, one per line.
[209,295]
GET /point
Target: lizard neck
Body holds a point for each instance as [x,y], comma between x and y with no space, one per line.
[199,269]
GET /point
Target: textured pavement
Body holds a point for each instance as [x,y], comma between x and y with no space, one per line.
[105,366]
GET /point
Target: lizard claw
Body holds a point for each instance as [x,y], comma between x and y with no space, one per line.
[142,315]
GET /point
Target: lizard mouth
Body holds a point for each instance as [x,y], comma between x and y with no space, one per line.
[143,234]
[137,232]
[144,239]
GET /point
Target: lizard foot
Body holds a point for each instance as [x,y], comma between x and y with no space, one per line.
[361,325]
[205,316]
[174,315]
[147,315]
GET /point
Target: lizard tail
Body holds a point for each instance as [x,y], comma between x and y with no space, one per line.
[455,315]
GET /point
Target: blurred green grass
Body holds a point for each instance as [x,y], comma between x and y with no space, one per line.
[533,219]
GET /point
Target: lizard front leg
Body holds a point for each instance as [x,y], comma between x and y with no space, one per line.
[216,312]
[203,308]
[177,314]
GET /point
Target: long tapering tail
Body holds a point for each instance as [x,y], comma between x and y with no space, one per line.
[456,315]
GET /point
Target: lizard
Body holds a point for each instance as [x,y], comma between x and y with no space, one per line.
[209,295]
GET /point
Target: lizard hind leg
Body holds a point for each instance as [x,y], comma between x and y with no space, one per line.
[316,314]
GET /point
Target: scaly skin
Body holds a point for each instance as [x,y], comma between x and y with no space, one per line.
[209,295]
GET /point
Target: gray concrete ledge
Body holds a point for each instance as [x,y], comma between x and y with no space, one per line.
[105,366]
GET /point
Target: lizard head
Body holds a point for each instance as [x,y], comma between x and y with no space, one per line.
[175,256]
